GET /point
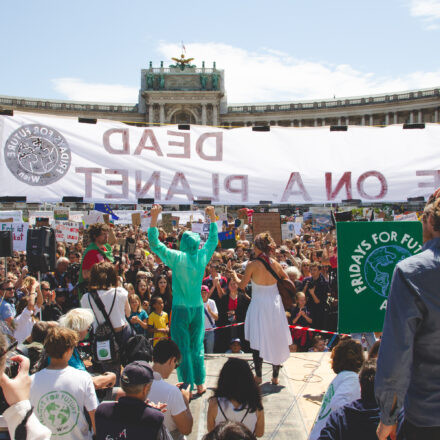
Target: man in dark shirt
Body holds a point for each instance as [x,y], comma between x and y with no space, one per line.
[316,289]
[131,417]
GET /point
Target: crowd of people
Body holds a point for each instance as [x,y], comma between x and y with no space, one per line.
[171,299]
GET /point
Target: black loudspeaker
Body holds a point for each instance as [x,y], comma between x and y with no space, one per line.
[6,247]
[41,249]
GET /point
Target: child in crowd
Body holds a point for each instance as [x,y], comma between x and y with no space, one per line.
[138,317]
[158,320]
[235,346]
[300,315]
[318,345]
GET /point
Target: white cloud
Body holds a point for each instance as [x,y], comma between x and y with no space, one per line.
[261,76]
[268,75]
[428,10]
[78,90]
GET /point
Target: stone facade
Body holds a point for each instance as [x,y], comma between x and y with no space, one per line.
[185,94]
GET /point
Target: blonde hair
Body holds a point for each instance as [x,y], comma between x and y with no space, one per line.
[78,320]
[28,282]
[134,296]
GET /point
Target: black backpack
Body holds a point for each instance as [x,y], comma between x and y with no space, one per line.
[137,348]
[105,348]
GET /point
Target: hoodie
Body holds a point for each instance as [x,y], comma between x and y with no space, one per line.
[357,420]
[188,264]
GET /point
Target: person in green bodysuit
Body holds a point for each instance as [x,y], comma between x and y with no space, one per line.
[187,313]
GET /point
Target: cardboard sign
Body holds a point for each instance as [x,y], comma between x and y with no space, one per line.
[367,255]
[268,221]
[167,222]
[175,221]
[67,232]
[19,234]
[136,219]
[94,217]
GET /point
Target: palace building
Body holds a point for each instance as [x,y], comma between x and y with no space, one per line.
[185,94]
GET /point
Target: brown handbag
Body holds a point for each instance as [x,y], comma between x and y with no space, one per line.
[285,287]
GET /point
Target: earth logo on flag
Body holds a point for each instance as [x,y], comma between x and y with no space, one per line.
[379,267]
[37,154]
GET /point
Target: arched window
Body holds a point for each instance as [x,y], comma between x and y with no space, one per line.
[183,117]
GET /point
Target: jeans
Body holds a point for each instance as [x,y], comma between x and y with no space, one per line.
[209,341]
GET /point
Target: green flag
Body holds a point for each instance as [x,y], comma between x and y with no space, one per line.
[367,255]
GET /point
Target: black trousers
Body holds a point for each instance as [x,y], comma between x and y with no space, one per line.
[413,432]
[258,365]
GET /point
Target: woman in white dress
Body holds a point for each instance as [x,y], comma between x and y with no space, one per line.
[266,327]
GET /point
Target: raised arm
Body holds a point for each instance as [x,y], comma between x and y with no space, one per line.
[168,256]
[212,241]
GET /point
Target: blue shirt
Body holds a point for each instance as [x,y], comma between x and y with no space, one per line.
[408,366]
[142,315]
[7,310]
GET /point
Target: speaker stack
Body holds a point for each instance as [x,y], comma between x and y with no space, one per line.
[41,249]
[6,247]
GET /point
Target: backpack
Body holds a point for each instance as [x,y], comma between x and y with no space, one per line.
[105,348]
[137,348]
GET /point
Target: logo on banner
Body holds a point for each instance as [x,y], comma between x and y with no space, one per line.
[37,154]
[379,267]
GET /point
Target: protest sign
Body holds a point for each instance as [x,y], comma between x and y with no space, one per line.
[367,255]
[67,232]
[61,214]
[93,217]
[145,223]
[136,218]
[167,222]
[268,221]
[19,234]
[288,230]
[17,216]
[411,217]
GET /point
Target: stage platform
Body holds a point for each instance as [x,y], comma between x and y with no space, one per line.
[290,408]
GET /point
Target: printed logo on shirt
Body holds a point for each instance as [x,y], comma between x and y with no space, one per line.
[326,408]
[59,411]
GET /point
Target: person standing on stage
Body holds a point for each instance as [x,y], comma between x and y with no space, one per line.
[408,366]
[98,250]
[187,313]
[266,327]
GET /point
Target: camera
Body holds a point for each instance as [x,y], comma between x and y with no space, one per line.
[11,370]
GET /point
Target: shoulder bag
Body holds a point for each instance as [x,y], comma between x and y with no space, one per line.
[285,287]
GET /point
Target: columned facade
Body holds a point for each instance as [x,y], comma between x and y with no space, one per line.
[186,94]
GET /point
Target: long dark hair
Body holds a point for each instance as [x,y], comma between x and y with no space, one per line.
[236,382]
[167,295]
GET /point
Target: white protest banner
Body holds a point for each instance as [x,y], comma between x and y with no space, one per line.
[297,226]
[17,216]
[111,162]
[76,216]
[67,232]
[19,234]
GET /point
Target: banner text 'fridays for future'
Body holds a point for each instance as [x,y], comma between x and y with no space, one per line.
[48,157]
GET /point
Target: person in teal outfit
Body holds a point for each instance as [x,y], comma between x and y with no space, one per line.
[187,313]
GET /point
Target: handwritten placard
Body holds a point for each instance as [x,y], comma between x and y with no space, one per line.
[19,234]
[268,221]
[67,232]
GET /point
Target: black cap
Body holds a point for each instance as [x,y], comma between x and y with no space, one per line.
[137,373]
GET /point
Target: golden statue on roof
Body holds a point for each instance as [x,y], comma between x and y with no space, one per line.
[182,62]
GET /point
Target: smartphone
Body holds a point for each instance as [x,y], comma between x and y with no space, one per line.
[183,386]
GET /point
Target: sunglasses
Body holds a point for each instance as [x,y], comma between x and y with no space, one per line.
[10,348]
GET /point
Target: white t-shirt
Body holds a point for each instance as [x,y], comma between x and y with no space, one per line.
[117,316]
[213,308]
[24,324]
[164,392]
[344,389]
[59,398]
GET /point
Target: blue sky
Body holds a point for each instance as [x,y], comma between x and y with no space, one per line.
[271,51]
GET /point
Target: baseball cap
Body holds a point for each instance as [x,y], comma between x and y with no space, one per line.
[205,288]
[235,340]
[137,373]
